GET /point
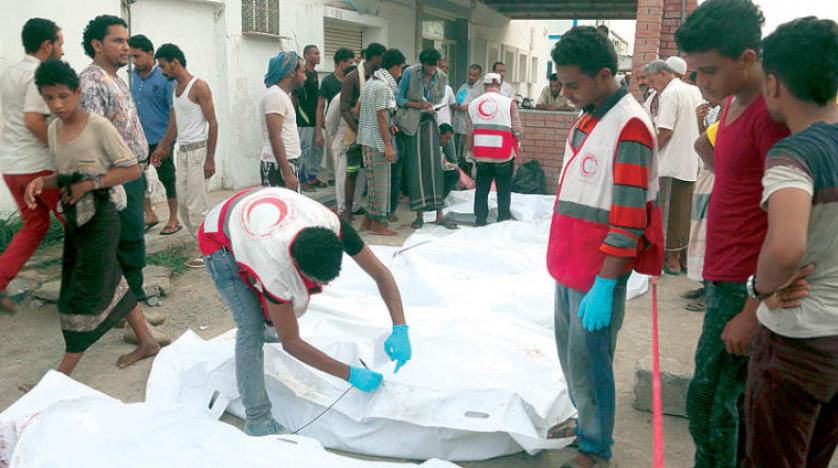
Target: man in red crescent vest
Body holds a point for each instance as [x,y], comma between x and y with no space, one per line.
[493,129]
[606,223]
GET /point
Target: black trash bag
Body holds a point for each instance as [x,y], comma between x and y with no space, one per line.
[530,179]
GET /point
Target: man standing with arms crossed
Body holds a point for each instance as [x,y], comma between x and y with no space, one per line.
[468,91]
[606,223]
[23,146]
[192,121]
[153,94]
[306,99]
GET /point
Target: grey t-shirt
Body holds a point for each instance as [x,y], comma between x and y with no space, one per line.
[808,161]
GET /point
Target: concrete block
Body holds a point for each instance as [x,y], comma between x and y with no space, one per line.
[49,292]
[675,379]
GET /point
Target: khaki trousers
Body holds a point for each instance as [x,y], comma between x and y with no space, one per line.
[192,188]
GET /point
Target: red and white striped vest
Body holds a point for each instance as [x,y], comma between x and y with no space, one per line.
[491,117]
[585,191]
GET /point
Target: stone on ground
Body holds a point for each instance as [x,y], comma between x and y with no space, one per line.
[675,378]
[49,292]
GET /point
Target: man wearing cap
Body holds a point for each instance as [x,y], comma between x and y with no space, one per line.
[494,129]
[678,163]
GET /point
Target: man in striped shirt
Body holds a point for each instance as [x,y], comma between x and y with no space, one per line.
[606,223]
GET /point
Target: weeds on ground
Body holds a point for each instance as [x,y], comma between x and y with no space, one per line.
[11,224]
[174,259]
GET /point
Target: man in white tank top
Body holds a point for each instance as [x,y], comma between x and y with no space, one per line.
[192,122]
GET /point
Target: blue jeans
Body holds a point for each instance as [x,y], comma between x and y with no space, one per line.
[250,336]
[586,359]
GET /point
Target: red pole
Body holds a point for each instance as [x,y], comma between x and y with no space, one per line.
[657,406]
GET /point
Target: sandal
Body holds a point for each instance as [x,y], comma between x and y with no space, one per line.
[168,230]
[563,430]
[697,305]
[449,224]
[693,294]
[593,461]
[670,272]
[148,226]
[417,223]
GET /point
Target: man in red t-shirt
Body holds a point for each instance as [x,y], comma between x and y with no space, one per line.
[722,40]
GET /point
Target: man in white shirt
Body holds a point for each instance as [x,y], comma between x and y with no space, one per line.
[281,149]
[678,163]
[505,88]
[23,146]
[193,120]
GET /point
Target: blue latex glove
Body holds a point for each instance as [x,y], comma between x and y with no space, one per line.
[595,309]
[461,96]
[398,346]
[364,379]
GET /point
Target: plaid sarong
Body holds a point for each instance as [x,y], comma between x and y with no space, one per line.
[378,183]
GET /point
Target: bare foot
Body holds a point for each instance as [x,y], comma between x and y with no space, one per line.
[383,231]
[142,352]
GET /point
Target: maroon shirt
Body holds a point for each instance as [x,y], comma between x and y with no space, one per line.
[736,224]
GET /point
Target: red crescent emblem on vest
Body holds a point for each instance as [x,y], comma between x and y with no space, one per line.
[589,165]
[255,223]
[492,109]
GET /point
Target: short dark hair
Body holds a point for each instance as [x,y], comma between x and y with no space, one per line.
[54,72]
[445,128]
[97,29]
[308,48]
[495,65]
[603,29]
[554,77]
[430,56]
[318,252]
[374,50]
[392,58]
[476,67]
[343,54]
[727,26]
[811,75]
[170,52]
[588,49]
[693,76]
[141,42]
[36,31]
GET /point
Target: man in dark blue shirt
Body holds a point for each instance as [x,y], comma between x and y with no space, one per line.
[152,92]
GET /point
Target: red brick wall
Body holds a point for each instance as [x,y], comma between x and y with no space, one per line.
[544,140]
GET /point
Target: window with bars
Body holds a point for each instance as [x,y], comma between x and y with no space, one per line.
[260,17]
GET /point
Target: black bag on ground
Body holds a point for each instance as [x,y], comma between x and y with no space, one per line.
[530,179]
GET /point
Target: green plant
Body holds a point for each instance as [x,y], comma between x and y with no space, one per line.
[12,223]
[174,258]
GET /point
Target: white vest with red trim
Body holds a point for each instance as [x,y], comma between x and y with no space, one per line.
[491,118]
[259,228]
[587,180]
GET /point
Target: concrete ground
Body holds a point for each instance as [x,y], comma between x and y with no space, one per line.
[32,344]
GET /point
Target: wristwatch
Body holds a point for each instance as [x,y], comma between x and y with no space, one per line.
[751,286]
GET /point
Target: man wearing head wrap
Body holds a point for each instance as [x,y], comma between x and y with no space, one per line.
[280,140]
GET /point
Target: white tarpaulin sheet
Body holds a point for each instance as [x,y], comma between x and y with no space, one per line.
[62,423]
[484,380]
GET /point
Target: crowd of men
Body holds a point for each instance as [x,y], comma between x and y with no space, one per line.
[729,173]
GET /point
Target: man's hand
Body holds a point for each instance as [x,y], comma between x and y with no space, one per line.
[291,182]
[789,296]
[425,105]
[319,138]
[701,111]
[33,191]
[160,153]
[397,346]
[390,153]
[209,168]
[739,332]
[78,190]
[596,307]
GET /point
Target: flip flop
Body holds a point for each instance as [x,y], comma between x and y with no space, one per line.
[148,226]
[693,294]
[417,223]
[168,230]
[672,272]
[449,224]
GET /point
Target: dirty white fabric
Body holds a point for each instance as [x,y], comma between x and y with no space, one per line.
[62,423]
[484,381]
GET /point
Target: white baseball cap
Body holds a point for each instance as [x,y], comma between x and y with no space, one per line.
[677,64]
[492,78]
